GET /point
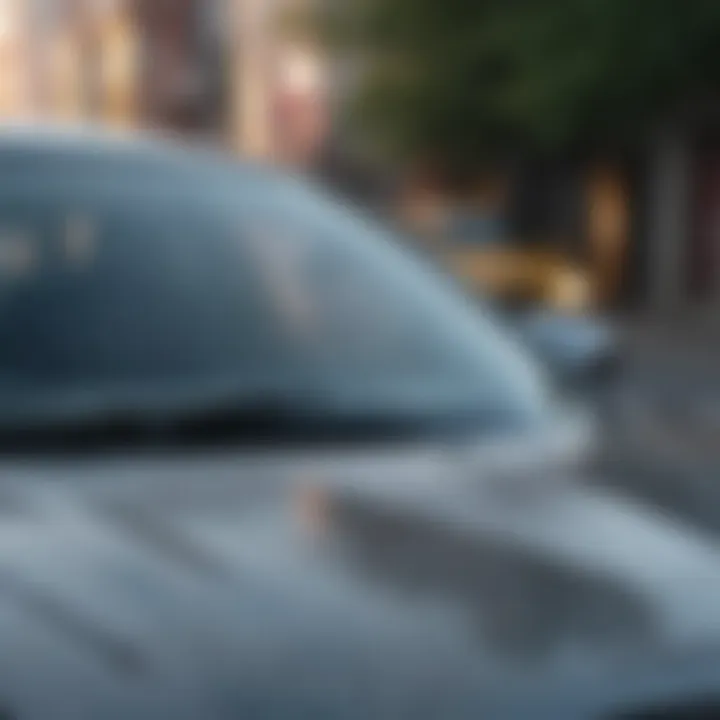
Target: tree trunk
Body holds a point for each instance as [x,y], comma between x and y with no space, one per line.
[669,219]
[608,229]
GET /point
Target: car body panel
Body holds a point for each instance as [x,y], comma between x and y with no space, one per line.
[196,585]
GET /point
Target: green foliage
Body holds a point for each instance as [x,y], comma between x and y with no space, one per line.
[456,81]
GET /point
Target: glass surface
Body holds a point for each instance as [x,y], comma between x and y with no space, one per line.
[176,281]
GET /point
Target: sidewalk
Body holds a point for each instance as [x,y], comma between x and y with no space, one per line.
[670,393]
[691,330]
[673,366]
[664,446]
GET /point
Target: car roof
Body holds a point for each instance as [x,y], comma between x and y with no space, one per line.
[33,139]
[53,149]
[31,135]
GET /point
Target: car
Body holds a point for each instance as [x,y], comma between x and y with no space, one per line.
[584,354]
[581,352]
[259,461]
[479,248]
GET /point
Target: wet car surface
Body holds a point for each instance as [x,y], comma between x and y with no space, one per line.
[404,531]
[166,585]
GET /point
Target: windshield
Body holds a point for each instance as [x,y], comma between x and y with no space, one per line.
[255,281]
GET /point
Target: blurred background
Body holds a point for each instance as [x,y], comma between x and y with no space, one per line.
[586,129]
[558,155]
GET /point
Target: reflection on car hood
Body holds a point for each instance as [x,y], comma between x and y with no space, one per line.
[404,584]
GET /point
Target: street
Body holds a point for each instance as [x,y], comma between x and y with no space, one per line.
[662,443]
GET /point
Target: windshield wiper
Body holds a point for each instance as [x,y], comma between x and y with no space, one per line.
[110,424]
[253,419]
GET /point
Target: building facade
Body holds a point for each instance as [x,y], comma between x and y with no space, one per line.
[215,69]
[15,50]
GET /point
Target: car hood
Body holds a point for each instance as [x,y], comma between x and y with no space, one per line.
[423,582]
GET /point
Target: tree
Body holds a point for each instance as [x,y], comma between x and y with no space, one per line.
[457,82]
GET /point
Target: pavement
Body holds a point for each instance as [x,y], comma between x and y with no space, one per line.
[662,436]
[673,375]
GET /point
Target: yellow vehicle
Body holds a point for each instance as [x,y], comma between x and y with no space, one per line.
[477,250]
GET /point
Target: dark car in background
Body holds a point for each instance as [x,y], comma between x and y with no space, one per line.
[583,354]
[260,462]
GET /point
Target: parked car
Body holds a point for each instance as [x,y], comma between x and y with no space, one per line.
[478,247]
[583,353]
[258,461]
